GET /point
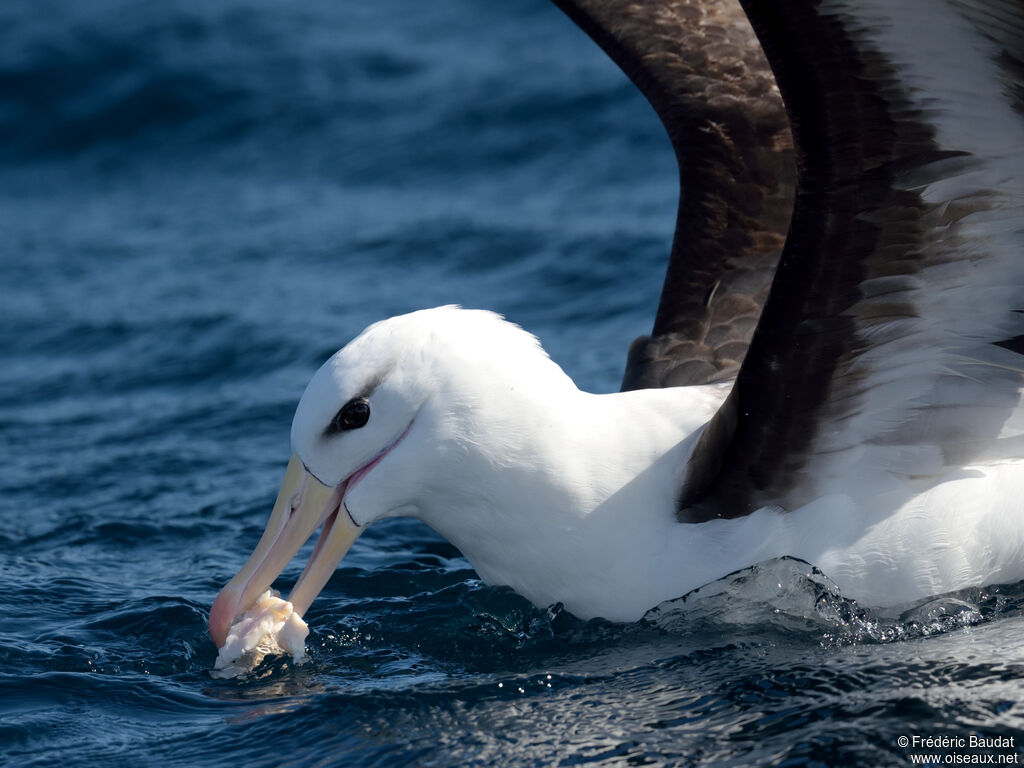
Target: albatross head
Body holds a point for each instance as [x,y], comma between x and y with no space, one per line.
[377,434]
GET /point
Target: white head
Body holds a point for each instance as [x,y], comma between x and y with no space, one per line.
[404,395]
[383,429]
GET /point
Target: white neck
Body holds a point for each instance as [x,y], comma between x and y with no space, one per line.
[594,477]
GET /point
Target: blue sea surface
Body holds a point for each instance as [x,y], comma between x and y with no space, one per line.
[202,200]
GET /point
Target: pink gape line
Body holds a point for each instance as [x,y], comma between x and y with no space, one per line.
[359,474]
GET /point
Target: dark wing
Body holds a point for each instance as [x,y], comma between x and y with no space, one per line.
[891,347]
[701,67]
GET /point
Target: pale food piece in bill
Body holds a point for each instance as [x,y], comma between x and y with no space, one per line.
[270,626]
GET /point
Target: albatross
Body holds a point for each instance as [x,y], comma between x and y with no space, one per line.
[836,366]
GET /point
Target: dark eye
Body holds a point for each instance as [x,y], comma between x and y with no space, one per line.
[353,415]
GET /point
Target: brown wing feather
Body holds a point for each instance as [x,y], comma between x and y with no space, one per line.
[869,345]
[702,69]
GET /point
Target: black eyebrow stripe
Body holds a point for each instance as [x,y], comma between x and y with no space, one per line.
[370,388]
[364,394]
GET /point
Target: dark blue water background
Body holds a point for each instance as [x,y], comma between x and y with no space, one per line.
[199,202]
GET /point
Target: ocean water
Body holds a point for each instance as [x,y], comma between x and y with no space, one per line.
[199,202]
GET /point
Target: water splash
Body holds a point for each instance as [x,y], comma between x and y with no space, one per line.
[792,596]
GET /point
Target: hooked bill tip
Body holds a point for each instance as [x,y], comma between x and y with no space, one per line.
[222,613]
